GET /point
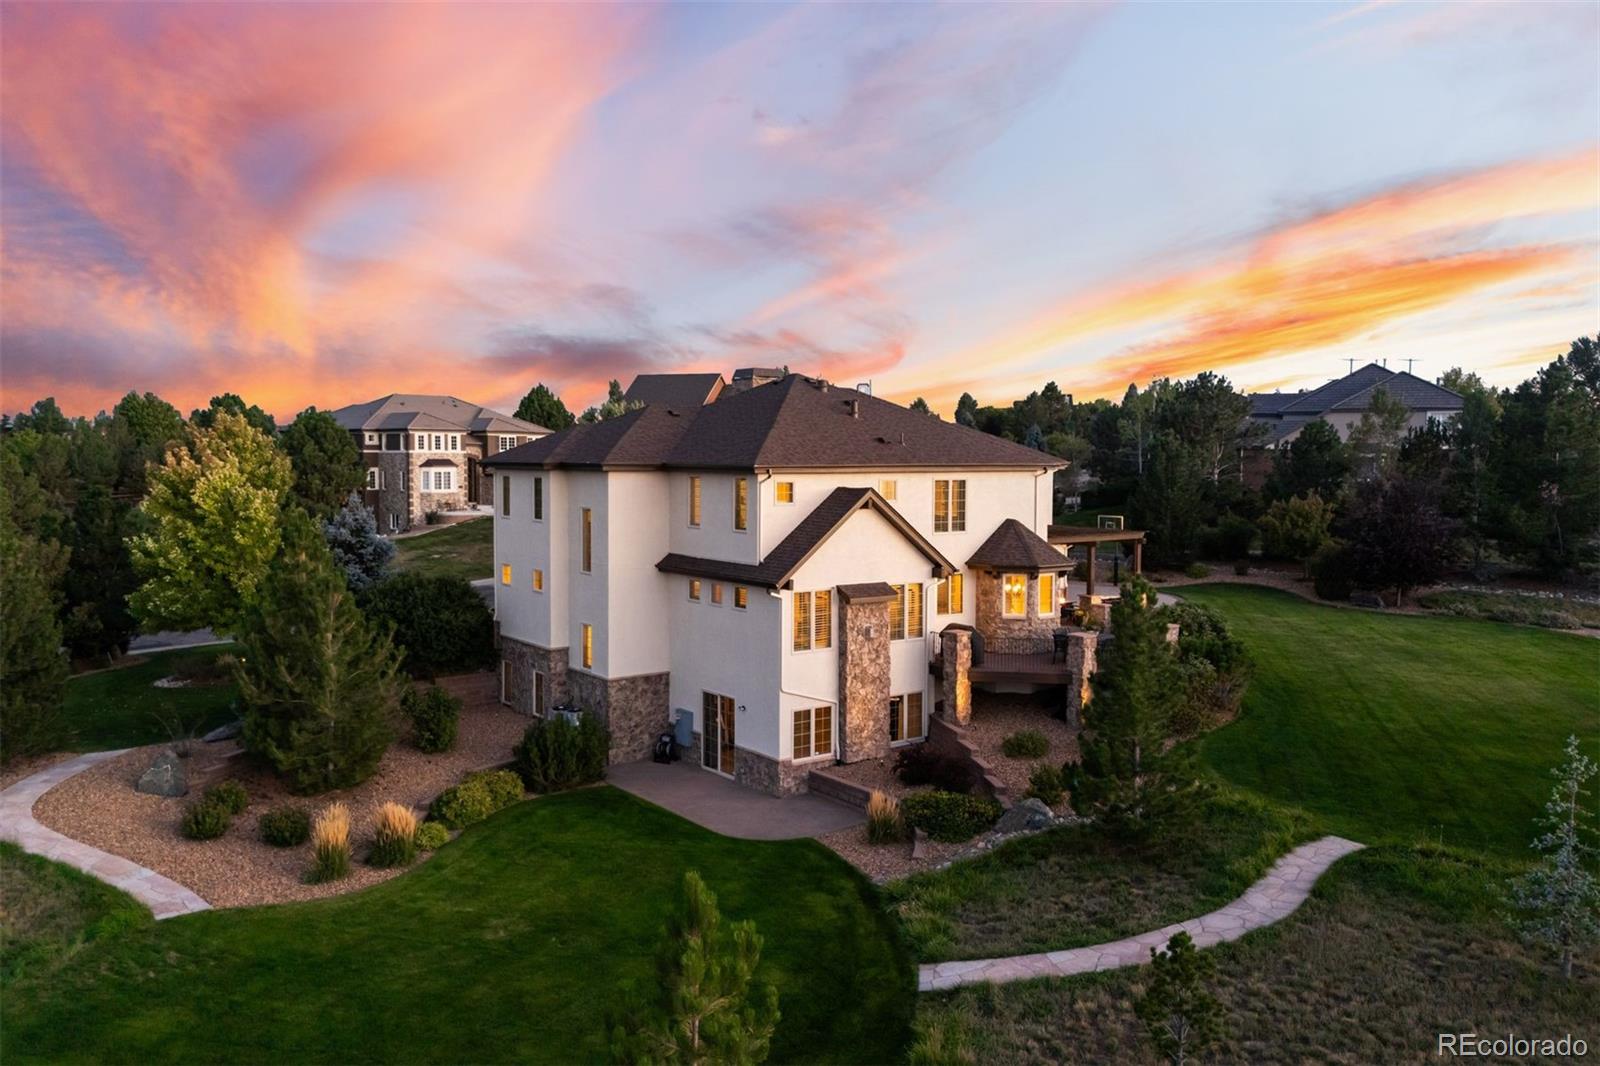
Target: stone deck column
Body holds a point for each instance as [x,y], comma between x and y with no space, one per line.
[955,687]
[863,679]
[1081,645]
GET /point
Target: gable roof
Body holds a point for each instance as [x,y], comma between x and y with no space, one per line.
[1354,392]
[1013,546]
[800,423]
[778,568]
[404,410]
[638,438]
[674,390]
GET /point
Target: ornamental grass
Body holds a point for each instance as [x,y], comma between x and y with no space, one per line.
[330,844]
[394,837]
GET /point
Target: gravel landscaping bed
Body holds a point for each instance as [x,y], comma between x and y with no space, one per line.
[101,808]
[996,716]
[886,862]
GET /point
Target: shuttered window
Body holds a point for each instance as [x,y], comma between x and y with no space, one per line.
[813,620]
[897,614]
[802,621]
[951,595]
[741,503]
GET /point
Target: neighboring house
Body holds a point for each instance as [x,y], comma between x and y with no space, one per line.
[683,391]
[780,568]
[425,453]
[1281,416]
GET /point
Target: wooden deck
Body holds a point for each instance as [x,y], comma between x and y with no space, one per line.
[1038,668]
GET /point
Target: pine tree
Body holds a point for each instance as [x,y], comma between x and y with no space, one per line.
[1125,777]
[543,407]
[325,459]
[709,1007]
[1558,901]
[967,410]
[320,683]
[33,670]
[1180,1015]
[358,549]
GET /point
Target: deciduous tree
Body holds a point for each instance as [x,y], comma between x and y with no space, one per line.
[33,670]
[232,403]
[325,461]
[1399,539]
[1375,439]
[1295,528]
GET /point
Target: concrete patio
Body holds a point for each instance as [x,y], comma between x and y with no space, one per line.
[723,807]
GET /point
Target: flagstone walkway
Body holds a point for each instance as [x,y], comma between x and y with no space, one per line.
[165,898]
[1276,896]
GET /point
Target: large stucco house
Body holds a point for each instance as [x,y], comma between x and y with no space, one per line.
[425,453]
[797,570]
[1342,402]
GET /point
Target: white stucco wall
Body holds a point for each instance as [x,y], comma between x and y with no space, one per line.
[715,537]
[730,652]
[630,530]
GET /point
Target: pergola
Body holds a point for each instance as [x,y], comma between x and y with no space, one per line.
[1092,537]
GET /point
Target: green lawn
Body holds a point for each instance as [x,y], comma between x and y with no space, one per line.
[51,912]
[1395,945]
[464,550]
[508,945]
[122,707]
[1403,728]
[1072,886]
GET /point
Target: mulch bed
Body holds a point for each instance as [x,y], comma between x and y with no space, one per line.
[100,807]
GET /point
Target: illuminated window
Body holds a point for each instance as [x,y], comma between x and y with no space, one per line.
[588,540]
[905,613]
[783,491]
[813,620]
[1047,594]
[889,489]
[951,595]
[505,573]
[694,501]
[741,503]
[741,597]
[588,645]
[716,594]
[949,506]
[1014,595]
[813,732]
[538,580]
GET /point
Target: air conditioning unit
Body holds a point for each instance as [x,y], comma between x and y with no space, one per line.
[566,711]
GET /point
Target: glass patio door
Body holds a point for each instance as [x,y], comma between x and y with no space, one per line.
[716,737]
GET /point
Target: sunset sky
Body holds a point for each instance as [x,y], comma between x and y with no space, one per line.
[321,204]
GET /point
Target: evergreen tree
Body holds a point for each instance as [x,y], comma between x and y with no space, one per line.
[544,408]
[615,404]
[325,460]
[1169,500]
[1125,777]
[232,403]
[921,406]
[44,417]
[1034,438]
[33,671]
[1375,439]
[214,517]
[967,410]
[1316,460]
[708,1005]
[1558,901]
[321,685]
[96,587]
[1180,1015]
[358,549]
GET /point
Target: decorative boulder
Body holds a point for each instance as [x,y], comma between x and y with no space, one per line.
[224,732]
[1027,815]
[165,776]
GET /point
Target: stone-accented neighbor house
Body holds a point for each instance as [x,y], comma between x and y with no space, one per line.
[425,453]
[800,571]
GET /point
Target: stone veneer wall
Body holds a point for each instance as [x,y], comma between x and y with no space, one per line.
[525,659]
[772,776]
[634,709]
[992,622]
[1081,647]
[955,682]
[863,680]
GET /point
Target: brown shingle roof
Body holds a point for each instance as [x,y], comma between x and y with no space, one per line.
[675,390]
[796,423]
[867,592]
[402,410]
[791,553]
[1013,546]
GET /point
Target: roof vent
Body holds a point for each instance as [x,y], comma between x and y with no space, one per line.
[855,408]
[864,386]
[902,439]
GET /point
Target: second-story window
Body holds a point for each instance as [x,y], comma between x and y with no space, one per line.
[741,503]
[538,580]
[813,620]
[374,477]
[949,506]
[741,597]
[694,501]
[588,540]
[505,495]
[783,491]
[889,488]
[538,499]
[905,613]
[951,595]
[694,589]
[716,594]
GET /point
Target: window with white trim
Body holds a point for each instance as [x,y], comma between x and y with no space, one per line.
[372,438]
[422,442]
[741,597]
[694,589]
[439,479]
[374,478]
[813,620]
[951,595]
[905,613]
[507,443]
[1047,595]
[905,717]
[813,732]
[783,491]
[949,506]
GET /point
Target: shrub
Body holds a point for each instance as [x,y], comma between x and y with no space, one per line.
[554,754]
[1230,538]
[394,837]
[330,844]
[206,820]
[229,795]
[434,715]
[1047,784]
[1333,571]
[918,764]
[1026,744]
[284,827]
[431,836]
[950,817]
[1197,571]
[440,623]
[479,796]
[884,823]
[1242,567]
